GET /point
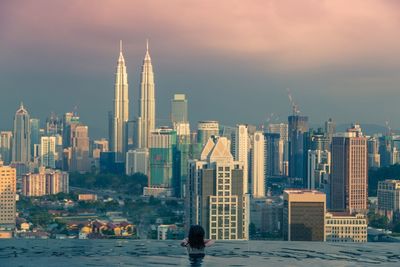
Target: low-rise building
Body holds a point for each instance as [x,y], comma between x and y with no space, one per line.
[87,197]
[345,227]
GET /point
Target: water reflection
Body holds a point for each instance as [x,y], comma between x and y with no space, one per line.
[196,260]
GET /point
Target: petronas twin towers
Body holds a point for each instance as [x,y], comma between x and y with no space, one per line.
[120,116]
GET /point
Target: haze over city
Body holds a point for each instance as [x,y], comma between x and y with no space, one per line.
[338,59]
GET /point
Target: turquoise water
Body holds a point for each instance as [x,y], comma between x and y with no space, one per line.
[22,252]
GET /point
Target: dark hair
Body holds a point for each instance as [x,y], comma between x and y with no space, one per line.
[196,237]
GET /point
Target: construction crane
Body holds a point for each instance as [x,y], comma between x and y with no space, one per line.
[295,107]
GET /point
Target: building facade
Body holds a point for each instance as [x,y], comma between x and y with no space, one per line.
[48,152]
[258,165]
[298,125]
[6,146]
[304,215]
[161,153]
[215,196]
[8,181]
[45,182]
[147,105]
[345,227]
[21,151]
[137,161]
[179,109]
[80,149]
[389,197]
[121,110]
[349,171]
[241,152]
[206,129]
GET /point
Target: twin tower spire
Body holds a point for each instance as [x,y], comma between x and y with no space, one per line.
[120,116]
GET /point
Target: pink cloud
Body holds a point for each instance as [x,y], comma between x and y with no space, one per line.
[285,33]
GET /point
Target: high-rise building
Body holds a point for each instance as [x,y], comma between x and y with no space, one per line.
[48,152]
[258,165]
[279,128]
[281,165]
[70,121]
[330,128]
[345,227]
[298,125]
[318,172]
[54,125]
[8,181]
[147,105]
[45,182]
[389,197]
[304,215]
[21,151]
[121,109]
[274,155]
[35,134]
[319,169]
[206,129]
[182,155]
[137,161]
[179,109]
[161,153]
[374,159]
[80,149]
[215,197]
[241,149]
[349,171]
[6,146]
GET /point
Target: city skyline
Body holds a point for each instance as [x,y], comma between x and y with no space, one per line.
[328,54]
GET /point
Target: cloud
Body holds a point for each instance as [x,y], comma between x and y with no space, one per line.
[284,33]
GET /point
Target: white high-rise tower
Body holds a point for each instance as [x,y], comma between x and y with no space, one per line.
[241,148]
[121,109]
[147,116]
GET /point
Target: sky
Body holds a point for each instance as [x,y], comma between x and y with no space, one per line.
[234,59]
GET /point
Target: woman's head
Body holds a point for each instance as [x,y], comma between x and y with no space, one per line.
[196,236]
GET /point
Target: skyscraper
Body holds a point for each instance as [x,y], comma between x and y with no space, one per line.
[215,197]
[349,173]
[147,115]
[35,134]
[21,152]
[182,156]
[179,106]
[80,149]
[121,110]
[298,125]
[70,120]
[6,146]
[8,181]
[258,165]
[274,152]
[241,145]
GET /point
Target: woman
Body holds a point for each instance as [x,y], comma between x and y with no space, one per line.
[196,244]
